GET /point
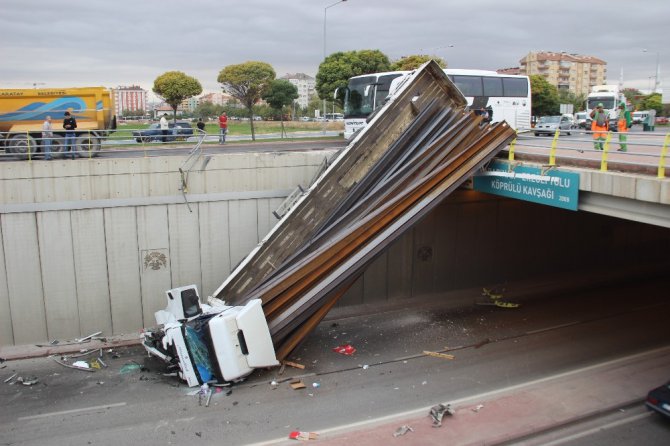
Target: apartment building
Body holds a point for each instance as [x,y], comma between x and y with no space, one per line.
[305,84]
[133,98]
[574,72]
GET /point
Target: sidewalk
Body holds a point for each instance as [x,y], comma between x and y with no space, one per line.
[518,411]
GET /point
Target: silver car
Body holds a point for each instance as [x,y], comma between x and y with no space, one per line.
[547,125]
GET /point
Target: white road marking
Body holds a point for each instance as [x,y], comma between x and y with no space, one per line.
[67,412]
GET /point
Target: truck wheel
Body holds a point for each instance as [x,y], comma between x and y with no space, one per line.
[56,146]
[22,144]
[87,145]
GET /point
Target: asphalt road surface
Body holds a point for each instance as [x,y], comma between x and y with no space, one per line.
[494,348]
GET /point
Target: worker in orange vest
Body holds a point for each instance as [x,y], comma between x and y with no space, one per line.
[623,124]
[599,126]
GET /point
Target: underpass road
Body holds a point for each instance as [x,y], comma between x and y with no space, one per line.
[548,335]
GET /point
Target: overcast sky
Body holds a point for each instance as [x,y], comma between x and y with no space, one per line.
[123,42]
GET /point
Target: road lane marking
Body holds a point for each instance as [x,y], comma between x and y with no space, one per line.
[555,327]
[68,412]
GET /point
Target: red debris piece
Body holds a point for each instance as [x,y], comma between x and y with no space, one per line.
[346,349]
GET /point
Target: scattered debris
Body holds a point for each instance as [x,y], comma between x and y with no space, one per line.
[30,381]
[86,338]
[346,349]
[274,384]
[495,298]
[438,355]
[316,385]
[294,365]
[402,430]
[131,367]
[438,412]
[477,408]
[11,378]
[303,436]
[297,384]
[81,365]
[365,366]
[87,369]
[281,369]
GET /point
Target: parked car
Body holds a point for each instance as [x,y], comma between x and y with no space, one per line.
[658,399]
[583,120]
[571,120]
[661,120]
[547,125]
[181,130]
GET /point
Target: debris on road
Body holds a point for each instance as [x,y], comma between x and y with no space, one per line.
[346,349]
[86,338]
[303,436]
[438,355]
[129,368]
[29,381]
[71,366]
[402,430]
[295,365]
[11,378]
[297,384]
[495,299]
[437,413]
[477,408]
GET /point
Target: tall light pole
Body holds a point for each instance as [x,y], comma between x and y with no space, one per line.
[325,16]
[657,86]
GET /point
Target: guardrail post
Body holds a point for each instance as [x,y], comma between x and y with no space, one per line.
[606,149]
[552,151]
[511,149]
[664,152]
[89,145]
[28,143]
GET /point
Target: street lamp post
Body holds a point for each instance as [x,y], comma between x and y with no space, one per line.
[325,16]
[656,75]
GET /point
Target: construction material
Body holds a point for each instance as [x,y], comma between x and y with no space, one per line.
[438,355]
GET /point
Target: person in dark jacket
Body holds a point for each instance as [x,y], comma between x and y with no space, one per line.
[200,125]
[69,124]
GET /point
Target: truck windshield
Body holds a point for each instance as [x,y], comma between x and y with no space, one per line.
[607,101]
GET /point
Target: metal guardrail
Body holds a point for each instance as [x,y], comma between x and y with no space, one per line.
[583,147]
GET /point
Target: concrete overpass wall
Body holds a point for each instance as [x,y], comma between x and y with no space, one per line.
[92,245]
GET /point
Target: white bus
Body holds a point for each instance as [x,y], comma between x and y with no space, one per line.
[504,97]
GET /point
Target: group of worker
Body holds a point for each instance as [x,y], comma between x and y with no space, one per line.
[600,126]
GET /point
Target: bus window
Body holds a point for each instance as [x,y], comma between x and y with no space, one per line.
[469,85]
[383,88]
[515,87]
[493,87]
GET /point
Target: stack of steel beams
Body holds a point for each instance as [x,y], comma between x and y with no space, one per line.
[415,151]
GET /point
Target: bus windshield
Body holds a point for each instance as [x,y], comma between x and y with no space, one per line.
[366,93]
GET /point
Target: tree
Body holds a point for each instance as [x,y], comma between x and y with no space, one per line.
[544,96]
[568,97]
[335,71]
[246,82]
[278,95]
[652,101]
[174,87]
[207,110]
[414,61]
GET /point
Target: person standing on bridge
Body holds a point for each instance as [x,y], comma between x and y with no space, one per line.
[164,126]
[47,134]
[599,126]
[223,127]
[623,124]
[69,124]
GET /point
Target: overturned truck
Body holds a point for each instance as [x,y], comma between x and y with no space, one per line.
[417,149]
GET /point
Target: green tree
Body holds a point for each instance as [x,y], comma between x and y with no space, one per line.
[544,96]
[414,61]
[278,95]
[335,71]
[578,101]
[633,96]
[174,87]
[652,101]
[207,110]
[246,82]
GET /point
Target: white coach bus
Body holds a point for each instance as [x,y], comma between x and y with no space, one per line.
[503,96]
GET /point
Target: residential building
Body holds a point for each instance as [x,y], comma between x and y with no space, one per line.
[216,98]
[133,98]
[190,104]
[305,84]
[573,72]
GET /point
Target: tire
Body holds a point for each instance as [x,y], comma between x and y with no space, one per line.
[537,134]
[23,145]
[569,133]
[57,146]
[87,146]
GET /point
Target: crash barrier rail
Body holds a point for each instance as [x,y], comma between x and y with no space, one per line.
[88,143]
[640,148]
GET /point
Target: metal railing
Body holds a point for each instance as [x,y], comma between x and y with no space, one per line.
[644,151]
